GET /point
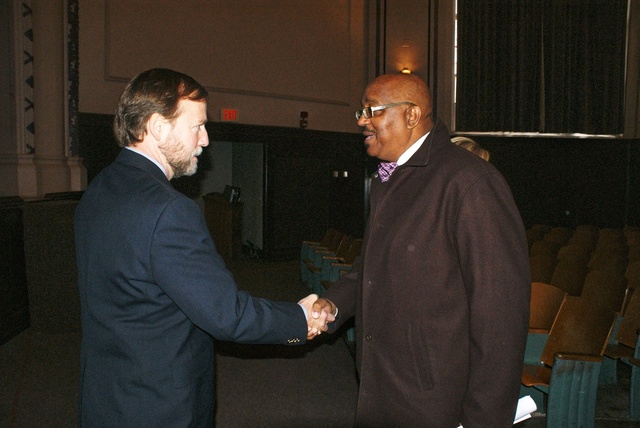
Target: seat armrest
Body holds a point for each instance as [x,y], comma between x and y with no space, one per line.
[341,265]
[332,260]
[579,357]
[539,331]
[634,361]
[324,252]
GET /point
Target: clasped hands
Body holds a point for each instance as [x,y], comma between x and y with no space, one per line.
[320,313]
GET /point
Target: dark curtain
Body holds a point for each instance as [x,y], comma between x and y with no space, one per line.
[541,66]
[498,65]
[584,45]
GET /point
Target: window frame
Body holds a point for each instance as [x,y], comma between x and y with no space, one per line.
[444,75]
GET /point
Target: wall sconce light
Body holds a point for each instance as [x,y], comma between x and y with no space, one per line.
[405,71]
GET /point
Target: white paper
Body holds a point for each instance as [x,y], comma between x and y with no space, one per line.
[526,406]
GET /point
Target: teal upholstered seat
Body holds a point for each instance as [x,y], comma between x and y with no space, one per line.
[625,346]
[568,367]
[329,242]
[311,275]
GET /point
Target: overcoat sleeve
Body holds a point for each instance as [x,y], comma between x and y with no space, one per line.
[190,271]
[344,293]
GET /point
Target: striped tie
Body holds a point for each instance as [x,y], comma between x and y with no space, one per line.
[385,169]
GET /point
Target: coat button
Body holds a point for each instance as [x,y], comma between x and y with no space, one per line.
[368,338]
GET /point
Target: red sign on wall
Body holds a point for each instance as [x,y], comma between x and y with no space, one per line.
[228,114]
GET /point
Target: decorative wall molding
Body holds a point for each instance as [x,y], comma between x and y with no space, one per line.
[24,74]
[72,77]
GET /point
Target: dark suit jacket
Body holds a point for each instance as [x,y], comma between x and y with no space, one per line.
[153,291]
[441,294]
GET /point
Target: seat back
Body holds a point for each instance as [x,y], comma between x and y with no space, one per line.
[579,328]
[632,274]
[335,241]
[307,248]
[610,238]
[559,235]
[577,254]
[354,251]
[585,236]
[631,233]
[630,325]
[569,277]
[328,236]
[546,300]
[541,267]
[537,231]
[344,246]
[633,253]
[613,260]
[605,288]
[543,247]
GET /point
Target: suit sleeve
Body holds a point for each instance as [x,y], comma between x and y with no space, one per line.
[190,271]
[495,266]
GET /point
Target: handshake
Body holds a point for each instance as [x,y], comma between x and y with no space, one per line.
[320,312]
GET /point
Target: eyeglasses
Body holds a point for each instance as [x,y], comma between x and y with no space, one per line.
[367,112]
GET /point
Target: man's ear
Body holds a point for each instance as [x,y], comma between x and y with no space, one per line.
[413,115]
[156,126]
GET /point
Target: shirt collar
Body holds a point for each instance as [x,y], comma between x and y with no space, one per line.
[411,150]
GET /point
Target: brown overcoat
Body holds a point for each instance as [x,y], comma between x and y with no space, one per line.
[440,294]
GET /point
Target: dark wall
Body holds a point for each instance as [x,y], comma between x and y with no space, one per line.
[555,181]
[313,180]
[97,144]
[14,304]
[571,181]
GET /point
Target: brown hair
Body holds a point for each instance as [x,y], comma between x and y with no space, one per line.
[158,90]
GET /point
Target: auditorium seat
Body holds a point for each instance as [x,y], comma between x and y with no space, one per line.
[311,276]
[606,288]
[569,277]
[624,346]
[569,364]
[541,267]
[332,269]
[546,300]
[310,253]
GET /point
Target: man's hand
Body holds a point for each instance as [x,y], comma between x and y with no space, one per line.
[320,312]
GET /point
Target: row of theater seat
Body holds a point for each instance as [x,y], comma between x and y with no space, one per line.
[323,262]
[585,317]
[602,265]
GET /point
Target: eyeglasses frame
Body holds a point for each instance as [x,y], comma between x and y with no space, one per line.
[370,110]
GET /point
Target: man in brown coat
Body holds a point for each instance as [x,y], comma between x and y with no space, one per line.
[441,292]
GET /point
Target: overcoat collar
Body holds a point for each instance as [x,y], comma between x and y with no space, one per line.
[422,155]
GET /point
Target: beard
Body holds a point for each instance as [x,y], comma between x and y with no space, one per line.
[183,164]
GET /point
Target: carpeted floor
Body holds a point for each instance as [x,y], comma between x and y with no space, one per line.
[313,385]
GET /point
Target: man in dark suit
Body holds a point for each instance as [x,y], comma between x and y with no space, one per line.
[153,289]
[445,259]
